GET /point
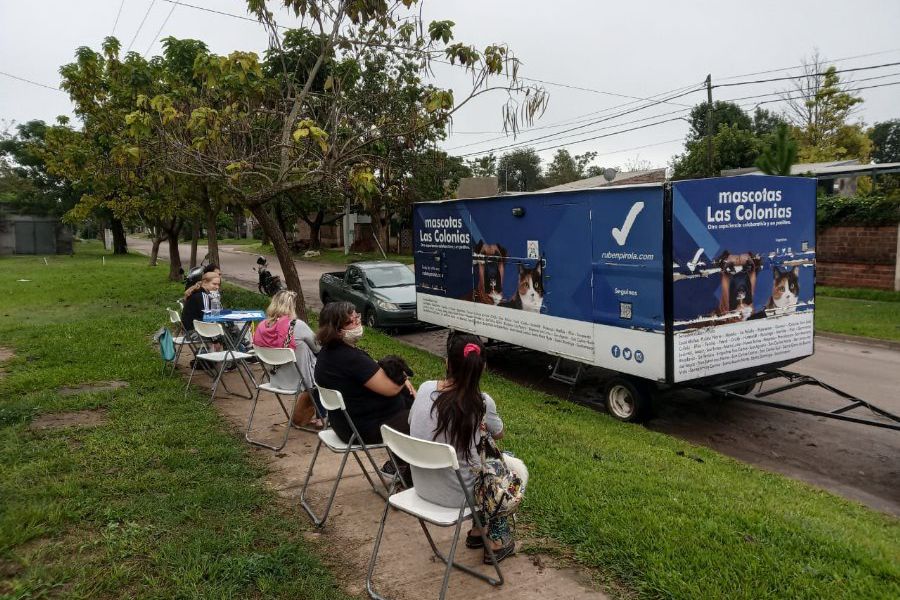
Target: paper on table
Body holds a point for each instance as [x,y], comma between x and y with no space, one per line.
[244,315]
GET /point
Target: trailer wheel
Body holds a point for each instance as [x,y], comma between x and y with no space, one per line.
[626,399]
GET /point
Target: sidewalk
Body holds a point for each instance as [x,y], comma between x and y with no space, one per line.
[406,567]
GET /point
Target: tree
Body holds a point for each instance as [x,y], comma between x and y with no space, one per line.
[885,139]
[766,123]
[723,113]
[28,186]
[819,107]
[733,147]
[780,154]
[111,173]
[262,136]
[483,166]
[565,168]
[519,170]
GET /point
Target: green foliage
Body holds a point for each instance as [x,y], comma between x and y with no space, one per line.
[858,294]
[780,153]
[723,113]
[885,138]
[483,166]
[26,185]
[823,130]
[565,168]
[733,147]
[857,210]
[519,170]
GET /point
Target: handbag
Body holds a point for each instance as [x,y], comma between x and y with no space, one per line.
[287,342]
[166,344]
[498,489]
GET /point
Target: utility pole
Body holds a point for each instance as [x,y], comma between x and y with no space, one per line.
[709,126]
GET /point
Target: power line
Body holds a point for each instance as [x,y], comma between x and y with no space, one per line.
[218,12]
[118,14]
[836,60]
[166,20]
[576,119]
[43,85]
[141,26]
[881,66]
[558,133]
[849,88]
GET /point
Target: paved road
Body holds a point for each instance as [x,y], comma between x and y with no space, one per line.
[858,462]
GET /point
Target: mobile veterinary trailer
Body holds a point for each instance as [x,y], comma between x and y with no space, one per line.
[702,283]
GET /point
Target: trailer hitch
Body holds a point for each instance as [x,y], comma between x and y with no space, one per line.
[795,380]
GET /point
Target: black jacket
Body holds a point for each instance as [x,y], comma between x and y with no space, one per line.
[194,306]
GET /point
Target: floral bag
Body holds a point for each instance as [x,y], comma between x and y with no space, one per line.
[498,489]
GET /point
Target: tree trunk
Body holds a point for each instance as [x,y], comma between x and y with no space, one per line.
[174,256]
[315,230]
[212,240]
[120,244]
[195,235]
[285,260]
[154,250]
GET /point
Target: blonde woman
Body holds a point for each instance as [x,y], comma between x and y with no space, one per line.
[197,299]
[282,329]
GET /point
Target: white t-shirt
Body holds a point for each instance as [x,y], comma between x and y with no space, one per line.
[441,486]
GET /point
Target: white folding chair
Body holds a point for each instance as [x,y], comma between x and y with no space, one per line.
[179,337]
[430,455]
[272,359]
[333,400]
[208,333]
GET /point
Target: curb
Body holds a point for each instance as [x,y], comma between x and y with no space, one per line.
[857,339]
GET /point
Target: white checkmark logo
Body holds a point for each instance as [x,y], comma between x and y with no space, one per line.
[621,235]
[692,264]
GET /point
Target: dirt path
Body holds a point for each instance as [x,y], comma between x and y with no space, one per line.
[406,567]
[858,462]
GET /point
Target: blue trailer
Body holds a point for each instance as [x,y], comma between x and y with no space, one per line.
[707,283]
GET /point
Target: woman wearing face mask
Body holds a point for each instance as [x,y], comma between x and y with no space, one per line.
[372,399]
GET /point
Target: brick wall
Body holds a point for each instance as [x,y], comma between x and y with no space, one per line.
[857,257]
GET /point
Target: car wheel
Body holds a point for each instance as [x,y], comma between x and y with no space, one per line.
[370,318]
[626,399]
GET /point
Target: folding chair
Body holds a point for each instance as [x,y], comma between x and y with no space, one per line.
[179,337]
[333,400]
[430,455]
[270,359]
[207,333]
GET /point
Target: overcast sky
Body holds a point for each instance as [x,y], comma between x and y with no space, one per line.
[630,49]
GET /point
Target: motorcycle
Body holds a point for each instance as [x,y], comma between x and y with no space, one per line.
[268,284]
[195,274]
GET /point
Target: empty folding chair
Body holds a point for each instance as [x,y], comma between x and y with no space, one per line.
[179,337]
[208,333]
[272,359]
[430,455]
[333,400]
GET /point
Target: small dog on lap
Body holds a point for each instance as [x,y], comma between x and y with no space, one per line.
[398,371]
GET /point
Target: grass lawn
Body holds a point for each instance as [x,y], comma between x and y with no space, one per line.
[162,501]
[850,312]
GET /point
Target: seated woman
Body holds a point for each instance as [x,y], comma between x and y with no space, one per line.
[450,411]
[372,399]
[197,299]
[282,329]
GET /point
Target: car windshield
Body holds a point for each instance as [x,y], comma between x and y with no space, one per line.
[392,276]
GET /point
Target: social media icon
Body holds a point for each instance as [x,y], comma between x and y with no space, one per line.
[638,356]
[615,351]
[626,353]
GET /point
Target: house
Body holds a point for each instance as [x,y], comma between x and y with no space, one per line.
[27,234]
[835,177]
[620,178]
